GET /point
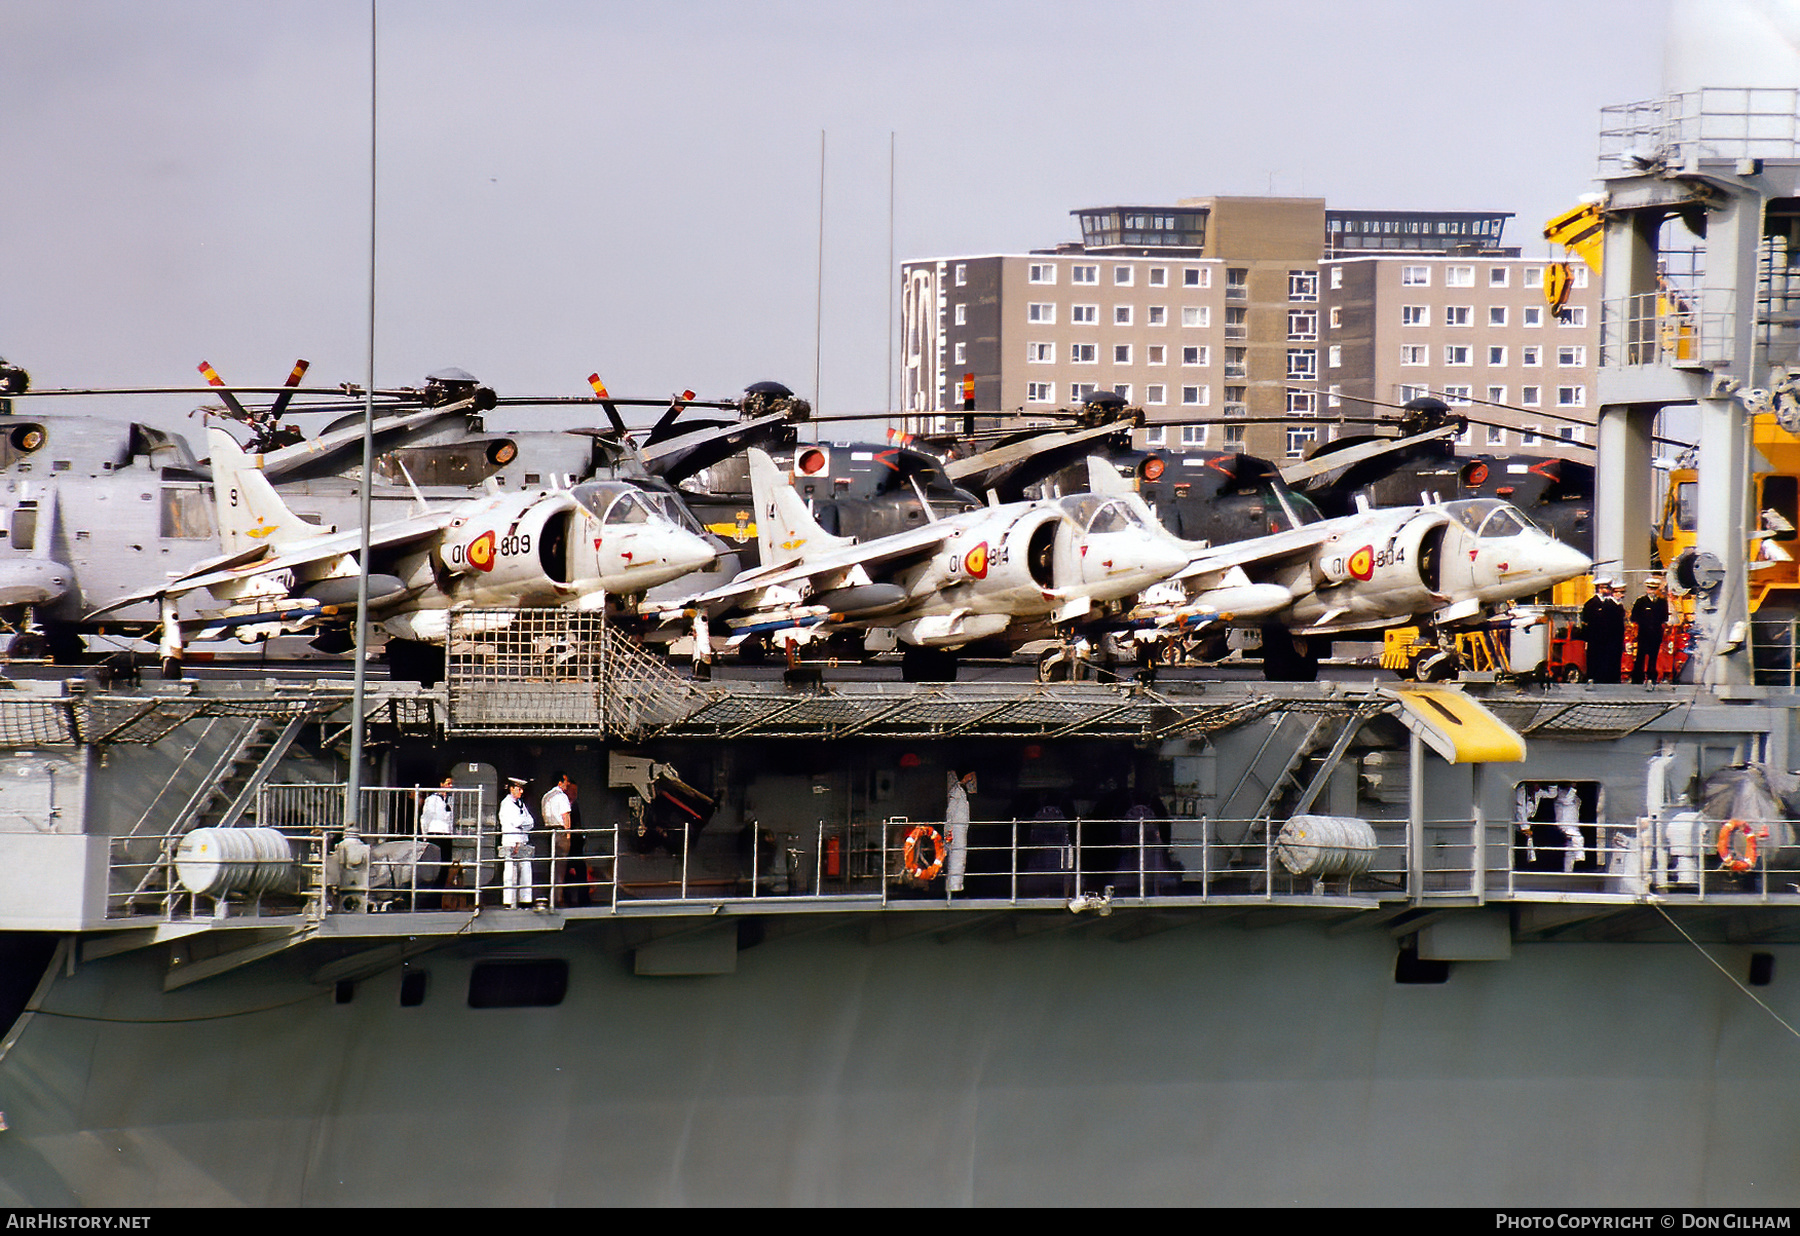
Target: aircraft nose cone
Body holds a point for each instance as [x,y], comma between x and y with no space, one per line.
[690,552]
[1563,561]
[1164,559]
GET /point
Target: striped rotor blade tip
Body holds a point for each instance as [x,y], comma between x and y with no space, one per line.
[300,368]
[599,386]
[210,374]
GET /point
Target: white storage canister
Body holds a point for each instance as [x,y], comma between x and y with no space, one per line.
[1325,846]
[217,861]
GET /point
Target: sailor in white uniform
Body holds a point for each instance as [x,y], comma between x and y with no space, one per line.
[515,843]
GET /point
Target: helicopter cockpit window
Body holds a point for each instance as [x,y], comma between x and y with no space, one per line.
[187,513]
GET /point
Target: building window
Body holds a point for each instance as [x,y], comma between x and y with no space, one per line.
[1196,315]
[1528,396]
[1303,285]
[1497,276]
[1193,396]
[1159,276]
[1572,315]
[1337,277]
[1122,276]
[1412,315]
[1237,322]
[1121,315]
[1571,357]
[1156,354]
[1496,394]
[1534,277]
[1458,315]
[1334,356]
[1196,277]
[1531,357]
[1410,393]
[1459,276]
[1234,438]
[1040,353]
[1234,400]
[1533,315]
[1302,364]
[1155,435]
[1237,283]
[1083,354]
[1040,392]
[1571,396]
[962,315]
[1496,355]
[1303,323]
[1415,276]
[1578,275]
[962,353]
[1084,274]
[1457,354]
[1457,395]
[1123,391]
[962,274]
[1333,396]
[1302,403]
[1041,272]
[1337,316]
[1121,353]
[1080,392]
[1528,435]
[1193,435]
[1159,315]
[1496,315]
[1496,436]
[1196,356]
[1412,354]
[1237,362]
[1155,394]
[1084,315]
[1299,438]
[1567,434]
[1040,311]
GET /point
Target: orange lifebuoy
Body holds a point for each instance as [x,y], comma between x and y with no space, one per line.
[1730,858]
[914,856]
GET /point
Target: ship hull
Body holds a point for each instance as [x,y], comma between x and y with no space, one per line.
[1184,1058]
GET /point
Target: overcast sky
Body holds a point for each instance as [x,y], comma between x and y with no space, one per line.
[634,188]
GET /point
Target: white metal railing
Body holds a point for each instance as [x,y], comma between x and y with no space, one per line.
[1678,857]
[1083,864]
[1710,123]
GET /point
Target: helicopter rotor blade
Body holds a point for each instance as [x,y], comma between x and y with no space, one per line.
[293,380]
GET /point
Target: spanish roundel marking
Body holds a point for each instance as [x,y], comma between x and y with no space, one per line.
[1362,562]
[481,552]
[975,562]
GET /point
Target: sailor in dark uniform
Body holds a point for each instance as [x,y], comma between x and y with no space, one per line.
[1650,614]
[1603,627]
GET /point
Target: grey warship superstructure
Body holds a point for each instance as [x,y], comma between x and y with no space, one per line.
[1176,940]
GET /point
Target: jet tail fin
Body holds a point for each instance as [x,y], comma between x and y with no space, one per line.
[784,527]
[1103,478]
[251,513]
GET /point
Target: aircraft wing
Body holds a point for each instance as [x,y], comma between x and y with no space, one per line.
[1273,549]
[296,555]
[828,569]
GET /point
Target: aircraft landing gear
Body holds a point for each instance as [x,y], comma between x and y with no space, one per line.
[928,664]
[168,646]
[28,645]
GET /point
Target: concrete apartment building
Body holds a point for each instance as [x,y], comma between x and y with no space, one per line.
[1238,323]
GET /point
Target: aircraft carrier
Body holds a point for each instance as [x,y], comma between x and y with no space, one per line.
[1176,941]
